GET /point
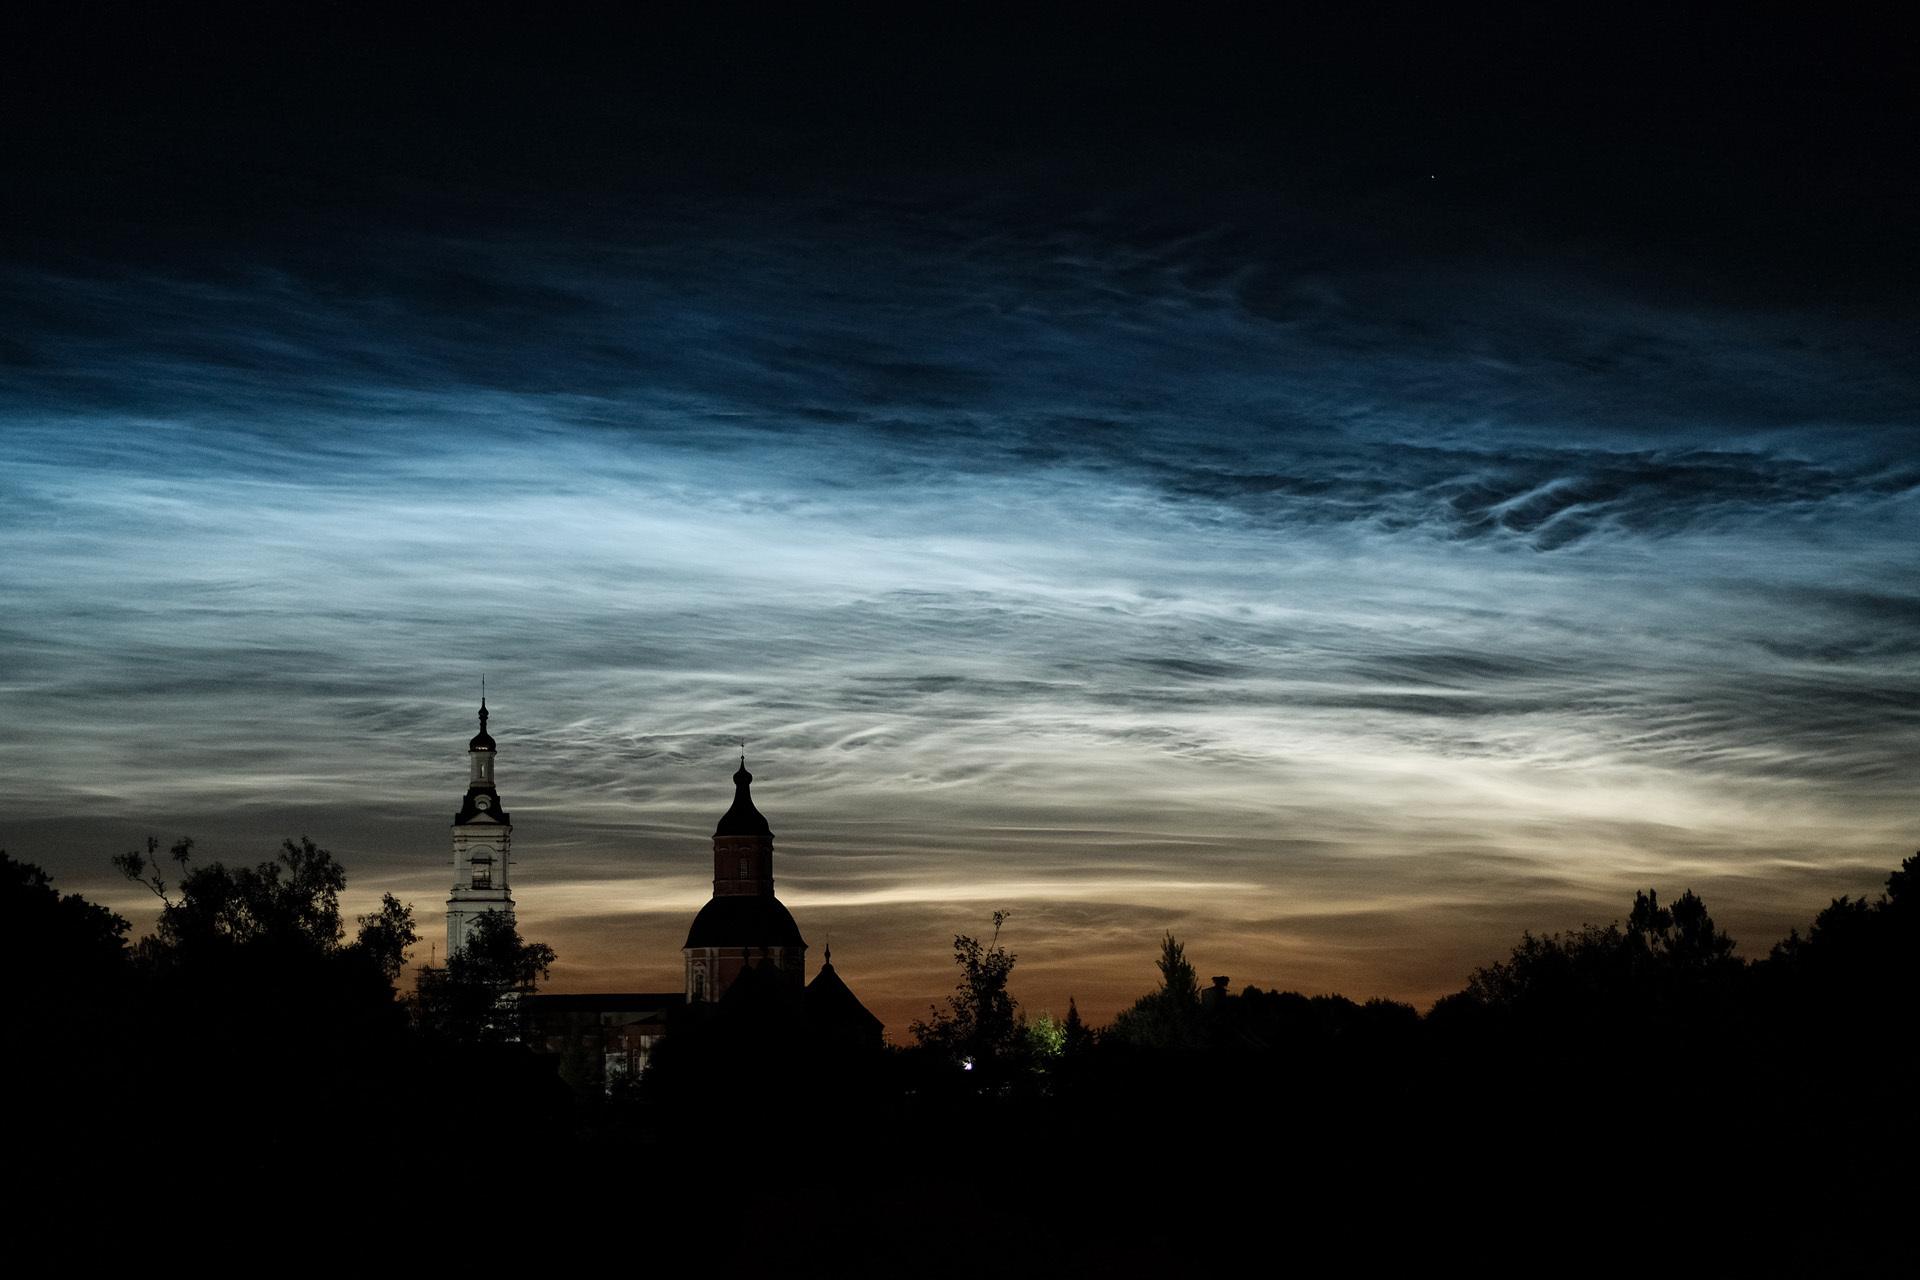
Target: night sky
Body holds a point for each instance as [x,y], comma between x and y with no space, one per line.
[1343,490]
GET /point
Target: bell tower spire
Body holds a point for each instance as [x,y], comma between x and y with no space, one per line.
[743,845]
[482,844]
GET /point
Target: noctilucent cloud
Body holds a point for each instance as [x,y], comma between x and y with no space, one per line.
[1343,612]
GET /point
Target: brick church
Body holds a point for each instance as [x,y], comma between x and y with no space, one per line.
[744,955]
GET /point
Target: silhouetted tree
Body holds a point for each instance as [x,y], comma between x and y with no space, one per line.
[1903,888]
[69,1018]
[282,909]
[1046,1038]
[475,997]
[250,976]
[1663,956]
[1168,1018]
[1079,1036]
[1682,937]
[981,1025]
[58,948]
[145,868]
[386,936]
[1555,971]
[1859,959]
[1394,1016]
[1649,924]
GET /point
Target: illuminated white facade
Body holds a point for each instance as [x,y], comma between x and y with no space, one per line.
[482,845]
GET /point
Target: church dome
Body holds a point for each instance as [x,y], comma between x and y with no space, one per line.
[481,741]
[748,920]
[742,819]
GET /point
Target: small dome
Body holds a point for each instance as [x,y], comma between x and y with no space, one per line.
[481,741]
[743,819]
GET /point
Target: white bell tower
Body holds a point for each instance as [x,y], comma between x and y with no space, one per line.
[482,843]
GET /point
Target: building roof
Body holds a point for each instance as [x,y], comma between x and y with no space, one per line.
[831,1005]
[743,819]
[745,920]
[758,991]
[493,814]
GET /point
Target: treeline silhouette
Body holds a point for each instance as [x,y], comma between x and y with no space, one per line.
[1599,1075]
[249,1036]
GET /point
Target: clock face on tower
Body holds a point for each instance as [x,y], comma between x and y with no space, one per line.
[482,802]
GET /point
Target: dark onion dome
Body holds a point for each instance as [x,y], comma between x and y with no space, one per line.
[746,920]
[481,741]
[743,819]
